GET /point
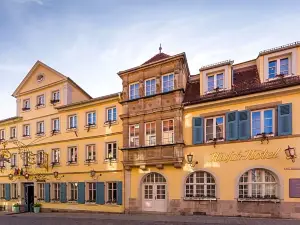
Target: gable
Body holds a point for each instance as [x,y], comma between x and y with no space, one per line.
[31,81]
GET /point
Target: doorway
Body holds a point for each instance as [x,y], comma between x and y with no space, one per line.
[29,196]
[154,193]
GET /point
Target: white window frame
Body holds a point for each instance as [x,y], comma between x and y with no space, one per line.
[14,160]
[72,159]
[40,100]
[54,128]
[2,164]
[112,189]
[94,192]
[148,138]
[215,75]
[135,138]
[14,191]
[2,191]
[40,125]
[112,114]
[55,94]
[2,134]
[26,104]
[13,132]
[262,122]
[41,191]
[91,148]
[25,133]
[71,126]
[162,82]
[154,92]
[107,155]
[55,192]
[72,188]
[277,59]
[94,118]
[40,157]
[135,95]
[171,132]
[55,159]
[214,128]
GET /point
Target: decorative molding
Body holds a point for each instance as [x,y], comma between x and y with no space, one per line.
[218,64]
[280,48]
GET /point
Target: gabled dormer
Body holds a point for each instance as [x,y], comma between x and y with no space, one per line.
[216,77]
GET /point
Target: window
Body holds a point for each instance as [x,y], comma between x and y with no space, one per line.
[2,164]
[214,129]
[91,153]
[150,133]
[55,125]
[91,118]
[2,191]
[200,185]
[26,130]
[72,122]
[215,81]
[40,100]
[111,151]
[262,122]
[168,132]
[13,132]
[26,104]
[13,160]
[40,128]
[41,191]
[168,83]
[56,156]
[134,135]
[56,192]
[14,191]
[55,96]
[72,154]
[258,183]
[40,157]
[278,66]
[73,192]
[91,192]
[150,87]
[111,192]
[25,157]
[134,91]
[2,134]
[111,114]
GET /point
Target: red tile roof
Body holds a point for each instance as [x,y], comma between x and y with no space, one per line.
[157,57]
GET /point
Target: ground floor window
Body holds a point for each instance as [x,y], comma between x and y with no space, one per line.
[258,184]
[91,192]
[2,191]
[73,191]
[41,191]
[56,192]
[111,192]
[14,191]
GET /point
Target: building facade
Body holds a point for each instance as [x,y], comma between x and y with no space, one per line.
[222,142]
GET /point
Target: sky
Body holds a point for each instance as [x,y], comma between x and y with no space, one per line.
[91,40]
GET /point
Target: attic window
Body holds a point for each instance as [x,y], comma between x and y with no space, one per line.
[40,78]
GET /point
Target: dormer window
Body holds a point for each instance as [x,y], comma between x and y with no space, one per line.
[215,81]
[134,91]
[278,67]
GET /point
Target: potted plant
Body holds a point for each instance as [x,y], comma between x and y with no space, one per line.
[16,208]
[37,207]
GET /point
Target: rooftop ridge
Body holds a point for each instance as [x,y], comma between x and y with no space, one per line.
[222,63]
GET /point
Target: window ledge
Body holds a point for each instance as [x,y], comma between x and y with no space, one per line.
[40,134]
[278,77]
[215,91]
[89,127]
[40,106]
[90,203]
[91,162]
[258,200]
[112,161]
[72,164]
[72,129]
[112,123]
[199,199]
[26,137]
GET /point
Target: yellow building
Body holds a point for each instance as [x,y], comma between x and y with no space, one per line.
[63,147]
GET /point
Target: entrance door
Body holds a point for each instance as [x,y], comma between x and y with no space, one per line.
[29,196]
[154,193]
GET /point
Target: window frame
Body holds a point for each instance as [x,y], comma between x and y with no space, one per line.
[93,151]
[150,135]
[112,190]
[136,95]
[145,84]
[2,134]
[69,122]
[40,103]
[14,158]
[214,128]
[55,162]
[26,107]
[72,191]
[53,124]
[55,99]
[41,191]
[112,114]
[215,78]
[162,132]
[40,157]
[70,157]
[38,130]
[106,150]
[25,134]
[262,122]
[136,138]
[93,191]
[277,59]
[55,190]
[15,132]
[2,191]
[94,118]
[14,191]
[162,82]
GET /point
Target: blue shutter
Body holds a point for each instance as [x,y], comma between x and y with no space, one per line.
[7,192]
[100,193]
[63,192]
[81,193]
[232,126]
[197,130]
[284,119]
[47,192]
[119,193]
[244,125]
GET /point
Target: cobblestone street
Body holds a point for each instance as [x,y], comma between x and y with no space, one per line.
[120,219]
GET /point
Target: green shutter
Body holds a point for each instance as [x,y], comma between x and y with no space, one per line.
[119,193]
[63,192]
[81,193]
[7,192]
[47,192]
[244,125]
[197,130]
[284,119]
[100,192]
[232,126]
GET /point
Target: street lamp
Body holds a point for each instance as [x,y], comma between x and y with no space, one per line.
[290,153]
[190,160]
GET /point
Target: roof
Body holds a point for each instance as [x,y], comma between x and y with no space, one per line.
[81,103]
[10,119]
[157,57]
[245,81]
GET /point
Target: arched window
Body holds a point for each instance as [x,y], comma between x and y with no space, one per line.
[258,184]
[200,185]
[154,178]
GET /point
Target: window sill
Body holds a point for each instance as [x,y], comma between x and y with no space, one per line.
[199,199]
[257,200]
[91,162]
[55,165]
[40,107]
[72,129]
[26,137]
[87,127]
[72,164]
[26,110]
[212,142]
[106,161]
[215,91]
[40,135]
[278,77]
[113,123]
[90,203]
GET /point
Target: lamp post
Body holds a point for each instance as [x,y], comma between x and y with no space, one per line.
[190,157]
[290,153]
